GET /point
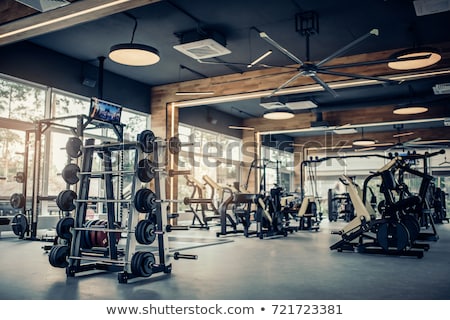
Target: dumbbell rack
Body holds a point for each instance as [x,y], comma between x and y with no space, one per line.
[143,263]
[113,259]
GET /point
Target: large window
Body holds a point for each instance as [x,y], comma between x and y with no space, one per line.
[210,154]
[21,105]
[277,169]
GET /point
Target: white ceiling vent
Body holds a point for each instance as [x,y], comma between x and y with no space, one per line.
[202,49]
[426,7]
[294,105]
[272,105]
[44,5]
[301,105]
[443,88]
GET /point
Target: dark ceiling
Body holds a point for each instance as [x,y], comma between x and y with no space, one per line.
[338,24]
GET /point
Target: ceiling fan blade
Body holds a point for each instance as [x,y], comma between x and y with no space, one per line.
[402,134]
[373,32]
[425,142]
[259,59]
[295,77]
[373,62]
[356,76]
[386,144]
[325,86]
[268,39]
[365,149]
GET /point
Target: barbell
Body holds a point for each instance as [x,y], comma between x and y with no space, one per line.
[146,140]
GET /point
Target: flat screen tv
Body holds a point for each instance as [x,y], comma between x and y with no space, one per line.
[105,111]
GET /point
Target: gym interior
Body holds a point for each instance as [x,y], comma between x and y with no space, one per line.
[260,150]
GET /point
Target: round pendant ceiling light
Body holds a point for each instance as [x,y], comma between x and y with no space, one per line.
[133,54]
[412,109]
[416,58]
[278,115]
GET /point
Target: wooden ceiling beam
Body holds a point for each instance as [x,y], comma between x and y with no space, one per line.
[64,17]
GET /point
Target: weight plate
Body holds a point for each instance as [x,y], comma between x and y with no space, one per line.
[174,145]
[146,139]
[73,147]
[145,171]
[70,173]
[147,262]
[19,225]
[145,232]
[136,263]
[393,236]
[58,256]
[138,201]
[20,177]
[63,227]
[17,201]
[65,199]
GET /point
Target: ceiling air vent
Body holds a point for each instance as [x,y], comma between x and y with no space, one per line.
[208,44]
[443,88]
[44,5]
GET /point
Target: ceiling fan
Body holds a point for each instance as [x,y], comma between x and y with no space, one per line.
[312,70]
[309,26]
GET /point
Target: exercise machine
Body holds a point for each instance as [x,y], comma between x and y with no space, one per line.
[200,204]
[397,231]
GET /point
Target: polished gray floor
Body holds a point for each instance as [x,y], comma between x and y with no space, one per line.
[300,266]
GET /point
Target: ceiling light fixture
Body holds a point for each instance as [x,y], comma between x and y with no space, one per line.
[278,115]
[133,54]
[192,93]
[409,109]
[241,128]
[415,58]
[365,142]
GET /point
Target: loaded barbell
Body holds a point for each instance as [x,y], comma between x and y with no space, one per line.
[147,139]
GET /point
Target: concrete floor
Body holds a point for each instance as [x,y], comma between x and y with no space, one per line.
[297,267]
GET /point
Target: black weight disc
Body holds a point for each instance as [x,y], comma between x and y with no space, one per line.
[17,200]
[65,200]
[145,171]
[147,262]
[73,147]
[138,233]
[63,228]
[70,173]
[145,232]
[139,200]
[393,236]
[136,263]
[146,139]
[58,256]
[19,225]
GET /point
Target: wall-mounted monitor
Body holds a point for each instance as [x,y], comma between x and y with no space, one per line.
[105,111]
